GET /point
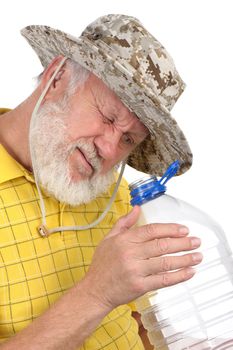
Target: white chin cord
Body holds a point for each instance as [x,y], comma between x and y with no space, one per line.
[43,229]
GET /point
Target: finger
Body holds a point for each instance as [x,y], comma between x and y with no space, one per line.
[151,231]
[163,246]
[126,221]
[170,263]
[167,279]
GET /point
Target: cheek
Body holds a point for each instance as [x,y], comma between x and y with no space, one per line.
[83,127]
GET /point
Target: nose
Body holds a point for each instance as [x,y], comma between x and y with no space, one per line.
[108,145]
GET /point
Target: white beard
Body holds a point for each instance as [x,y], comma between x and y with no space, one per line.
[52,150]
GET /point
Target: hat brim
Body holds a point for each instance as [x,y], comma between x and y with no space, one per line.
[166,142]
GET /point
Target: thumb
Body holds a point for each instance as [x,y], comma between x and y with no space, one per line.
[126,221]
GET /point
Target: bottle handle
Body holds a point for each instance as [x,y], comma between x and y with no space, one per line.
[170,172]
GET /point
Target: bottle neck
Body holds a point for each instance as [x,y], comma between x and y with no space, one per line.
[145,190]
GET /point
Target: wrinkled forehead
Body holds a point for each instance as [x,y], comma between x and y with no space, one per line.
[110,102]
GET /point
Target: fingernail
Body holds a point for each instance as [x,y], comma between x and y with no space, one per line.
[195,242]
[190,272]
[197,257]
[183,230]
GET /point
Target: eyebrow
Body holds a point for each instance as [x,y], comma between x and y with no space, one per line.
[140,133]
[146,131]
[139,137]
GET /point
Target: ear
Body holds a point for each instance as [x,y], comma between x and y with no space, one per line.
[60,82]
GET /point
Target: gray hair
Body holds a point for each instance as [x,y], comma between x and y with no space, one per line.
[78,76]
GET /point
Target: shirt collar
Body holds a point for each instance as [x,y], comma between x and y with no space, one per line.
[9,168]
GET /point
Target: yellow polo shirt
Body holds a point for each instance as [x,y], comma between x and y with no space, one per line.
[36,271]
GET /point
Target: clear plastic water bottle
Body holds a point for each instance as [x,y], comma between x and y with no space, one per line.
[196,314]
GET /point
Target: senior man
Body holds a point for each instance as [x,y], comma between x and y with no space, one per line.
[71,257]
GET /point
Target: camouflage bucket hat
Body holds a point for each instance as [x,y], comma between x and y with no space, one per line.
[131,62]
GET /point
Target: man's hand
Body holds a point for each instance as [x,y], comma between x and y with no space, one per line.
[132,261]
[128,262]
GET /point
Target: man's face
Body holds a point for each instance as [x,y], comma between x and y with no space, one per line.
[98,118]
[78,142]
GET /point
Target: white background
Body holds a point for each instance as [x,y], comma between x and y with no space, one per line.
[197,33]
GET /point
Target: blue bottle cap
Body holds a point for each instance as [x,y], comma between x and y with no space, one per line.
[144,190]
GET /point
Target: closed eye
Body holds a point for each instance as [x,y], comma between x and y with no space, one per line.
[106,120]
[126,138]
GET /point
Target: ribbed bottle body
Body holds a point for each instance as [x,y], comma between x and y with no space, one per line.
[196,314]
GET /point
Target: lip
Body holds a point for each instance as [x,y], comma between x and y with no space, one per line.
[82,158]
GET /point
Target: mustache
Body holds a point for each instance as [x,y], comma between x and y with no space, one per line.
[90,153]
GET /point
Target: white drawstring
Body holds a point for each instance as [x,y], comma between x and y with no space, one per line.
[43,230]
